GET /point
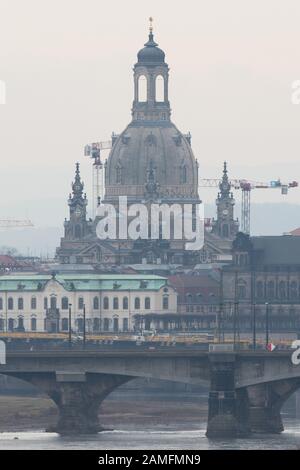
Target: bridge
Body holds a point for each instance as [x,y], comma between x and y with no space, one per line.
[247,388]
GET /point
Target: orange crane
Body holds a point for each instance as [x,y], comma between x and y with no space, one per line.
[246,187]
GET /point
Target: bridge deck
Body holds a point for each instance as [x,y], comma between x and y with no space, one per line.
[142,353]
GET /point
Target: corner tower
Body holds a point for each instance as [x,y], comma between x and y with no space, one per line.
[77,227]
[225,226]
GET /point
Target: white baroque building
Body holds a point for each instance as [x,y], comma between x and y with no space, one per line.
[112,303]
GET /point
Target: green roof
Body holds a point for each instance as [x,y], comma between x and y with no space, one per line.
[83,282]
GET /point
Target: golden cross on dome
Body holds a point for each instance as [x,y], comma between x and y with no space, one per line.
[151,24]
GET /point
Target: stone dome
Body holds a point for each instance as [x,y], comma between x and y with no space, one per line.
[151,158]
[151,54]
[158,154]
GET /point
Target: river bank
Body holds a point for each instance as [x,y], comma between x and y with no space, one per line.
[175,411]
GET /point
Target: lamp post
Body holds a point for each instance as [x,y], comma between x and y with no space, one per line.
[83,325]
[267,324]
[70,326]
[235,313]
[254,325]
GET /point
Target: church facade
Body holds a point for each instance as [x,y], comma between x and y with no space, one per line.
[151,161]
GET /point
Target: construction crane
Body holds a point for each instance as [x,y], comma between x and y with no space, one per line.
[9,223]
[94,152]
[246,187]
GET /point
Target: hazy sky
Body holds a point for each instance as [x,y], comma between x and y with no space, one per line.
[67,65]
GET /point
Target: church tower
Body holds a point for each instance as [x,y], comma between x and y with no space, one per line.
[77,226]
[225,226]
[151,79]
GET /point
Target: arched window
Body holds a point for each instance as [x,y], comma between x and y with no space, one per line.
[10,324]
[159,89]
[137,303]
[241,289]
[294,290]
[189,298]
[20,303]
[183,174]
[33,303]
[53,302]
[106,324]
[119,174]
[116,325]
[259,289]
[65,324]
[64,303]
[125,324]
[147,303]
[96,324]
[106,303]
[80,303]
[282,290]
[33,324]
[10,303]
[77,231]
[125,303]
[225,231]
[80,325]
[165,302]
[271,290]
[21,323]
[142,89]
[115,303]
[1,303]
[96,303]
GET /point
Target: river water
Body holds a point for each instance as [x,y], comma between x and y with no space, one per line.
[152,439]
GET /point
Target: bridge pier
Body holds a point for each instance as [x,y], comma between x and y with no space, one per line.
[78,405]
[78,401]
[227,408]
[78,396]
[264,408]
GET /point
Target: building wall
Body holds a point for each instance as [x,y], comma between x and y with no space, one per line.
[279,291]
[54,290]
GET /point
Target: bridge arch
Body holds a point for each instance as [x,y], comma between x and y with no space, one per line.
[77,401]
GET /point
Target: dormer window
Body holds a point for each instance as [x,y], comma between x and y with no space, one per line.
[118,174]
[183,174]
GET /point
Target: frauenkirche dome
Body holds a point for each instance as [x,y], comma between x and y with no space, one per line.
[151,158]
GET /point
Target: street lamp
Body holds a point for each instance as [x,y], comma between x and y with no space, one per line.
[84,325]
[267,324]
[254,325]
[70,327]
[235,320]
